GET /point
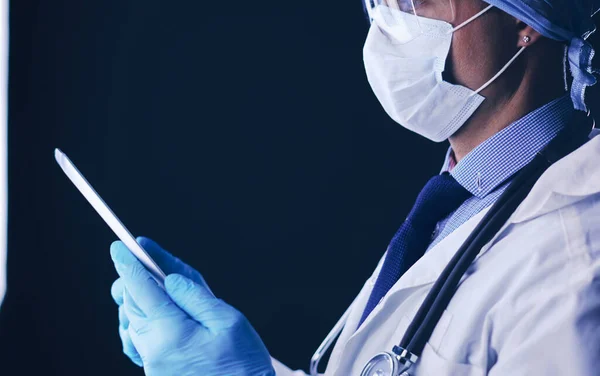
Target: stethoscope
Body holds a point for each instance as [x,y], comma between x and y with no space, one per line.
[402,357]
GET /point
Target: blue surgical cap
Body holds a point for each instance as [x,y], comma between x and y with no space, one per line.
[568,21]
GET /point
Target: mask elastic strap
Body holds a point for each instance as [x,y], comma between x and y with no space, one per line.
[476,16]
[501,71]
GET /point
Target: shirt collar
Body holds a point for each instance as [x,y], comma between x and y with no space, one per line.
[502,155]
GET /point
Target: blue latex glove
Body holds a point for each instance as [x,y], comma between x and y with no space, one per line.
[184,330]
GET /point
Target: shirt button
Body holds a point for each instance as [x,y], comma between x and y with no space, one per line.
[435,232]
[478,182]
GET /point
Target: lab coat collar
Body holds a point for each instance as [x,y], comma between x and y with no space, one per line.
[568,181]
[425,271]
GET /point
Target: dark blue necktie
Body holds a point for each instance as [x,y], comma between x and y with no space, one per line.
[441,196]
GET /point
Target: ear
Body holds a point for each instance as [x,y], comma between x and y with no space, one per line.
[527,35]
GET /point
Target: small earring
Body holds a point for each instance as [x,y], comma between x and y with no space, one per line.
[526,39]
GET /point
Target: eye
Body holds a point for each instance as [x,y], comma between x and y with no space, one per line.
[419,3]
[409,6]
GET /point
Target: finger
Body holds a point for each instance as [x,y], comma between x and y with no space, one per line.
[136,318]
[169,263]
[163,258]
[123,319]
[116,291]
[129,348]
[198,302]
[144,290]
[136,341]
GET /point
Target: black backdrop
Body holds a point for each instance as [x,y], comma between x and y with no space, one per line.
[242,137]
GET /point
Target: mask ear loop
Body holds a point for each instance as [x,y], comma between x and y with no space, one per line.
[476,16]
[501,71]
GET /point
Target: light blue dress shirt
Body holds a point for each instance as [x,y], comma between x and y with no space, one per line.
[487,170]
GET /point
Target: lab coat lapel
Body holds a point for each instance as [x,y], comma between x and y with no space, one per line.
[426,270]
[429,267]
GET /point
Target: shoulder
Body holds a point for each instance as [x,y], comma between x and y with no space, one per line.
[551,260]
[551,293]
[558,251]
[574,178]
[559,222]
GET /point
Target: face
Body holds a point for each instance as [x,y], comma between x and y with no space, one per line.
[480,49]
[485,48]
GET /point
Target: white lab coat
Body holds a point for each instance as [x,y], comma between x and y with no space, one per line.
[529,305]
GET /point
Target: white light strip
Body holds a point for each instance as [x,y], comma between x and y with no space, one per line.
[3,143]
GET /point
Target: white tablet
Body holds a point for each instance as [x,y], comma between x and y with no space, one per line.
[109,217]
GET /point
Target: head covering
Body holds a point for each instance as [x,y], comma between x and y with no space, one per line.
[568,21]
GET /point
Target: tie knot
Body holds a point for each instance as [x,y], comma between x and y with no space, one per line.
[441,196]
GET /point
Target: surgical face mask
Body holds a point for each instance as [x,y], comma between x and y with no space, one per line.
[404,58]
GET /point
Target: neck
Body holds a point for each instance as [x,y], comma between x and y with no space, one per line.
[498,111]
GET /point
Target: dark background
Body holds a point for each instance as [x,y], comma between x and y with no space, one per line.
[242,137]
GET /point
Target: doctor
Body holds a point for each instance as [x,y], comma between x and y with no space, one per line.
[490,77]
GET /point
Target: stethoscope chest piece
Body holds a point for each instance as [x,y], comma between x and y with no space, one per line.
[387,364]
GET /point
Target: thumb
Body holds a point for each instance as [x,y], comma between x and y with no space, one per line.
[200,304]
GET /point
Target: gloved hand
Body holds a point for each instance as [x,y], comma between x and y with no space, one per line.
[184,330]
